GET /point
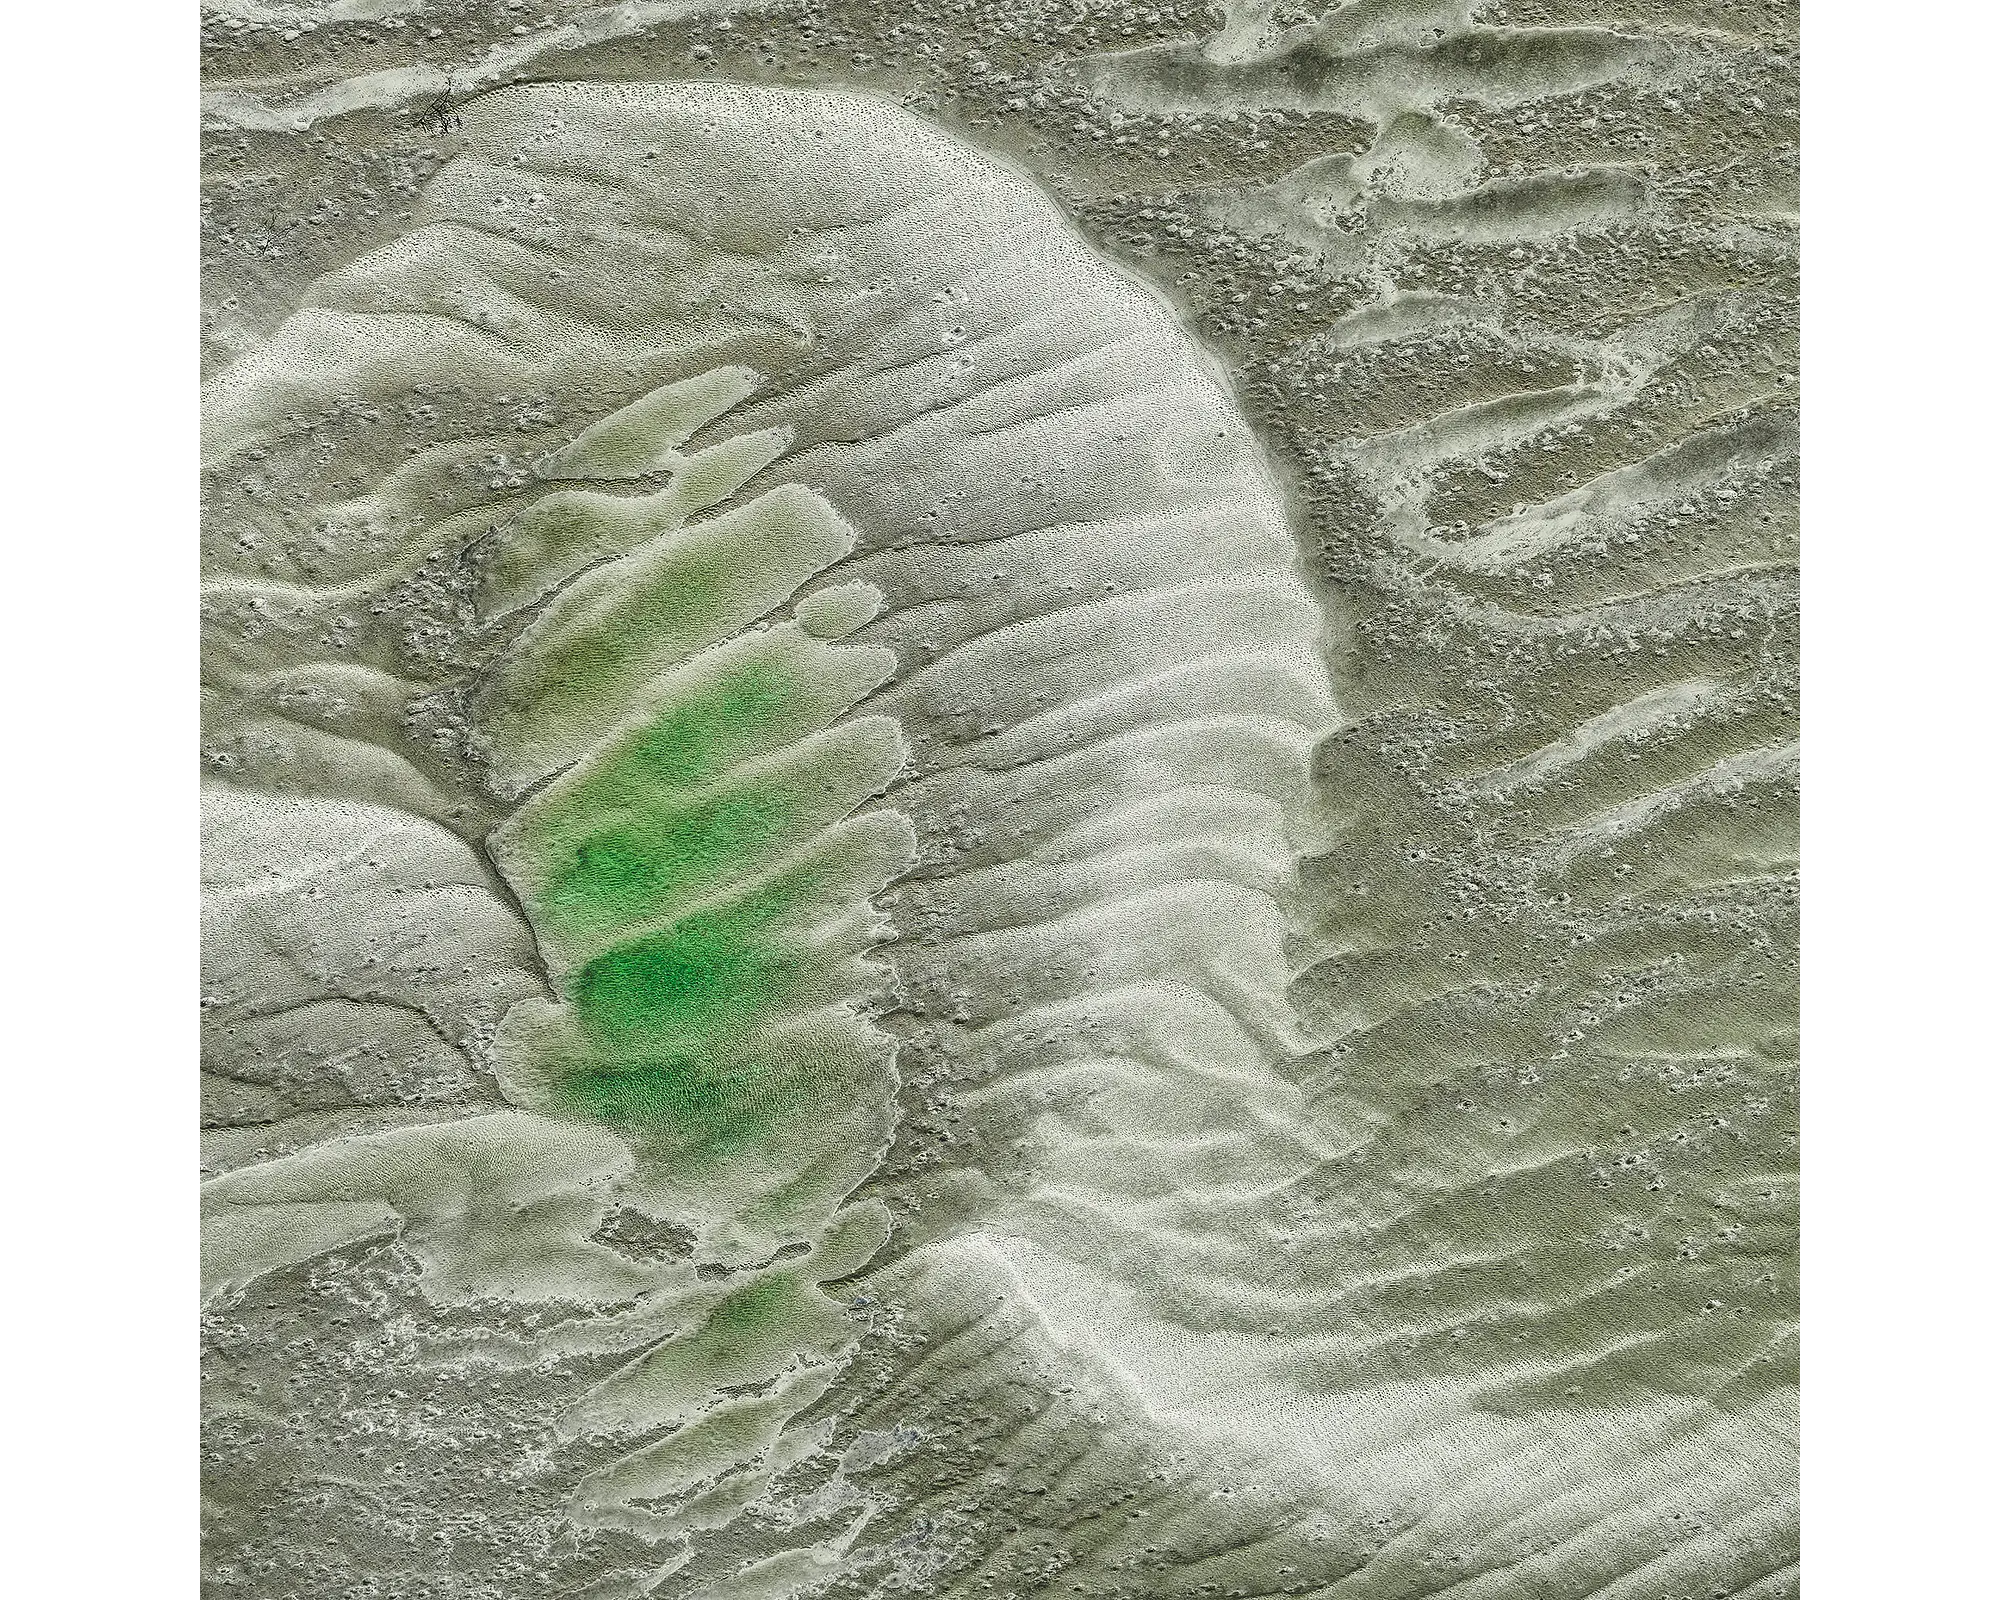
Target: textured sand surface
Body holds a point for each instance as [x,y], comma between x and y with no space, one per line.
[1000,800]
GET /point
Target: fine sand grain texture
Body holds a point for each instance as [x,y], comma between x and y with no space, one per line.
[999,800]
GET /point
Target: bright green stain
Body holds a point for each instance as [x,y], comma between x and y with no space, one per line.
[718,1110]
[756,1308]
[667,1012]
[640,869]
[586,669]
[664,1012]
[703,978]
[689,744]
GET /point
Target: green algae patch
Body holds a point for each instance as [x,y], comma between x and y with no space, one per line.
[697,879]
[707,976]
[692,742]
[718,1109]
[629,874]
[754,1308]
[743,701]
[567,530]
[748,1337]
[590,656]
[602,657]
[651,862]
[756,1328]
[665,1014]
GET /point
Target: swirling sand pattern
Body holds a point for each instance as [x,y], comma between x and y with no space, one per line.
[1001,505]
[1462,1261]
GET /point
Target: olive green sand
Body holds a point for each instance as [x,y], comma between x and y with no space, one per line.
[999,801]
